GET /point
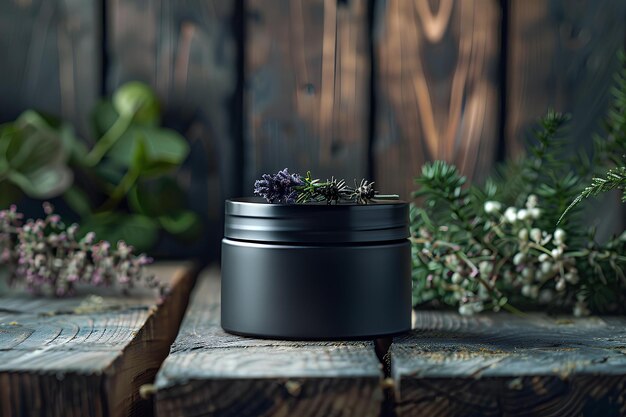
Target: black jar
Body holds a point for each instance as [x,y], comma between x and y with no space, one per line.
[316,271]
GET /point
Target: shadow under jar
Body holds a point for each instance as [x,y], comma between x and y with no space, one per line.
[316,271]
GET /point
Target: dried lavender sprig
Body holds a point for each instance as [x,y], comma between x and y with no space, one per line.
[278,188]
[46,255]
[292,188]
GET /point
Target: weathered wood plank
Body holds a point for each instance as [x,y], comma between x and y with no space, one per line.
[187,51]
[451,365]
[561,54]
[50,58]
[87,355]
[436,77]
[307,72]
[227,375]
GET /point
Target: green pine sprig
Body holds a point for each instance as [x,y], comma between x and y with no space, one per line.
[335,190]
[485,247]
[614,179]
[610,150]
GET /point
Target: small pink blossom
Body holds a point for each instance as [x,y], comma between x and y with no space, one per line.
[47,256]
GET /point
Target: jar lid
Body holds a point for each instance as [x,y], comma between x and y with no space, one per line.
[256,220]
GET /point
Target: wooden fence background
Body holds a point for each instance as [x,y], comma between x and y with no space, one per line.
[351,88]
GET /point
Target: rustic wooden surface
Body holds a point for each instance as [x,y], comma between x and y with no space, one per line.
[307,72]
[87,355]
[436,69]
[451,365]
[50,58]
[187,51]
[210,372]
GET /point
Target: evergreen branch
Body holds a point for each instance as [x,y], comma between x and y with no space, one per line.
[480,247]
[614,179]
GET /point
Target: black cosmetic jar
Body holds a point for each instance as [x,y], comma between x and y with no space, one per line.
[316,271]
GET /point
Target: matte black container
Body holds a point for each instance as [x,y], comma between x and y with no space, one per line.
[316,271]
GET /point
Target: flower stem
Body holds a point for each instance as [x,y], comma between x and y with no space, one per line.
[508,307]
[107,140]
[120,191]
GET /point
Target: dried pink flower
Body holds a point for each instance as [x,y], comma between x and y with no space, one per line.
[48,256]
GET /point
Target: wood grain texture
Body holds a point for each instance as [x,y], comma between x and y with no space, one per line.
[436,76]
[87,355]
[50,58]
[210,372]
[307,72]
[451,365]
[187,51]
[561,54]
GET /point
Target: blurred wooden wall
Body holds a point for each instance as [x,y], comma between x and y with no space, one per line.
[350,88]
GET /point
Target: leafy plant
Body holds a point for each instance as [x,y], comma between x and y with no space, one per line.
[121,187]
[498,245]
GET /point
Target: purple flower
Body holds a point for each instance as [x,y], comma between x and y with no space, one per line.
[278,188]
[44,254]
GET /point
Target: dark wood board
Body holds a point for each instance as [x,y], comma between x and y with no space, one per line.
[307,78]
[50,58]
[561,54]
[436,69]
[498,364]
[187,51]
[87,355]
[210,372]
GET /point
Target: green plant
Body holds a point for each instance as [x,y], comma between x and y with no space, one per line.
[498,245]
[121,187]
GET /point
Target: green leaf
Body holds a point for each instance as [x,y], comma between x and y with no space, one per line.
[45,182]
[103,117]
[163,199]
[36,158]
[77,200]
[137,230]
[110,172]
[139,157]
[157,197]
[165,149]
[6,133]
[73,146]
[185,224]
[9,194]
[137,100]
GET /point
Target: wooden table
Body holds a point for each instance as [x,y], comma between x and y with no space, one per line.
[210,372]
[449,365]
[89,356]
